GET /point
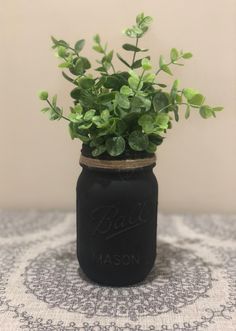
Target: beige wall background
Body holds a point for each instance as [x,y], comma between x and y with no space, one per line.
[196,166]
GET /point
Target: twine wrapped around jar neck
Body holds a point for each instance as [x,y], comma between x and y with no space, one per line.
[117,164]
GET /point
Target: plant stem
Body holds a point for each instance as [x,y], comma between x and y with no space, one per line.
[164,108]
[136,45]
[180,104]
[104,52]
[139,83]
[57,111]
[159,70]
[113,67]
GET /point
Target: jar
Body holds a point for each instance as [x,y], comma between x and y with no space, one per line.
[117,200]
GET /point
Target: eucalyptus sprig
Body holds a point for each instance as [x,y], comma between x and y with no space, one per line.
[118,110]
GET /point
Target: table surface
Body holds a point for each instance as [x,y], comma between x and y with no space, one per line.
[192,286]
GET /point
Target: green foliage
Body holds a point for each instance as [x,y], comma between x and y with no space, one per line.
[114,111]
[138,141]
[43,95]
[115,145]
[142,25]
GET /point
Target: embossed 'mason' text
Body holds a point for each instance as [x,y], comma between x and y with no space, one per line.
[117,259]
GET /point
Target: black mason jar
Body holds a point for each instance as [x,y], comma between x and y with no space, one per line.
[116,217]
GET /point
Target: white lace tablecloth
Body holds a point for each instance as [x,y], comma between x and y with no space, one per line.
[191,288]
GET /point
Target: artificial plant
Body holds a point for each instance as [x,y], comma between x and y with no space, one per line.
[118,110]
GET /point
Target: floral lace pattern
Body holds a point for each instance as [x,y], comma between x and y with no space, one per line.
[191,287]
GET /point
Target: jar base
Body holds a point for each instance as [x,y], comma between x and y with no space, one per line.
[116,279]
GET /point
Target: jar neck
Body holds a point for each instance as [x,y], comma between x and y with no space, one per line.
[129,161]
[127,155]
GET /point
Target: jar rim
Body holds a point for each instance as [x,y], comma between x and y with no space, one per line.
[123,164]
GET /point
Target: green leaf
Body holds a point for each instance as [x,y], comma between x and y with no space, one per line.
[81,65]
[151,147]
[79,45]
[134,83]
[78,109]
[133,48]
[162,85]
[101,69]
[138,141]
[55,115]
[133,74]
[106,97]
[45,110]
[139,18]
[174,54]
[197,100]
[86,63]
[218,108]
[43,95]
[138,63]
[96,141]
[137,103]
[141,102]
[109,56]
[206,111]
[174,91]
[166,69]
[134,32]
[122,101]
[114,81]
[75,118]
[147,123]
[59,42]
[163,66]
[100,82]
[62,51]
[187,112]
[175,109]
[64,65]
[85,126]
[146,65]
[89,114]
[162,120]
[123,61]
[120,127]
[178,98]
[187,55]
[97,39]
[98,48]
[54,40]
[86,82]
[105,114]
[98,122]
[161,61]
[72,130]
[54,100]
[145,22]
[126,90]
[75,93]
[156,139]
[160,101]
[78,68]
[83,138]
[98,150]
[189,93]
[68,77]
[115,146]
[149,78]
